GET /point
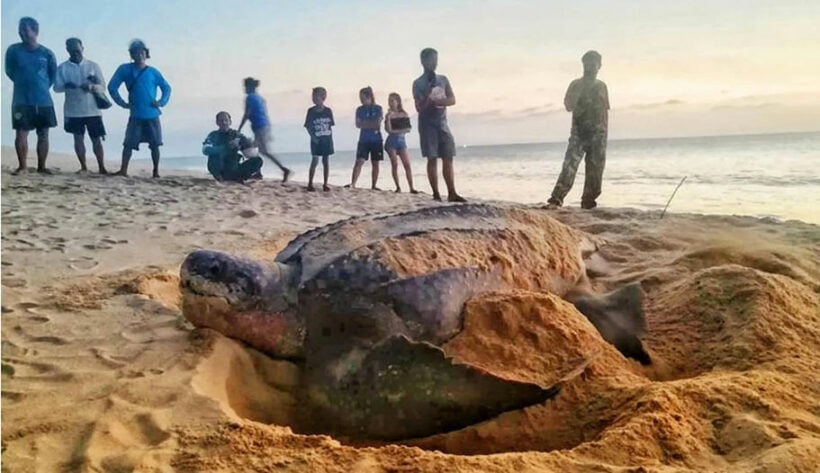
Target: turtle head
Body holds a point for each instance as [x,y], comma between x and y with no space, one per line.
[243,299]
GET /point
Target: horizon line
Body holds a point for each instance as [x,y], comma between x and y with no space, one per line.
[654,138]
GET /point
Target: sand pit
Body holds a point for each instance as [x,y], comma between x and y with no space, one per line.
[100,372]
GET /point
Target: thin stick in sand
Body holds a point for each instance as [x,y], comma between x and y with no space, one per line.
[672,196]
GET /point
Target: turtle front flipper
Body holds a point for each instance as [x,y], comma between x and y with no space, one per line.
[400,389]
[619,318]
[431,304]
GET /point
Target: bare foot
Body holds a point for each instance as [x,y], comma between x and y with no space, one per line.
[414,191]
[326,188]
[436,196]
[311,189]
[44,171]
[374,188]
[19,171]
[103,172]
[398,190]
[455,198]
[83,171]
[155,174]
[121,173]
[286,174]
[349,186]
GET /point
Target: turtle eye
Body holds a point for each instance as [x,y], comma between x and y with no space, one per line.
[214,269]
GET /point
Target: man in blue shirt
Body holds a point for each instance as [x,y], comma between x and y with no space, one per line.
[32,67]
[142,82]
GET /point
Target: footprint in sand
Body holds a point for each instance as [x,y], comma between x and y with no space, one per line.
[110,361]
[33,370]
[32,308]
[12,396]
[14,282]
[49,339]
[141,333]
[97,246]
[83,263]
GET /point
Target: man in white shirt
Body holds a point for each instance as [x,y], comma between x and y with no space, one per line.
[78,78]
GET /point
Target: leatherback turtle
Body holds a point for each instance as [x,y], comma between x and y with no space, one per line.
[367,302]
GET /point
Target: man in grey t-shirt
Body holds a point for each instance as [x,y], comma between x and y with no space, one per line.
[433,94]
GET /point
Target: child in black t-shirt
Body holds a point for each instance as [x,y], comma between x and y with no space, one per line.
[318,121]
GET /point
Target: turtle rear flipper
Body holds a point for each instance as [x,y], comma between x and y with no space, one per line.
[619,318]
[403,389]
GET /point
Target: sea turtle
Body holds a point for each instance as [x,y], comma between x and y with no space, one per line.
[367,302]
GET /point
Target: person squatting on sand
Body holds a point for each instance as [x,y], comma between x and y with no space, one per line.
[256,111]
[397,124]
[223,146]
[368,120]
[318,123]
[142,82]
[433,94]
[79,78]
[32,68]
[588,100]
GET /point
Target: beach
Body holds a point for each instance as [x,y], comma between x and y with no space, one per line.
[101,372]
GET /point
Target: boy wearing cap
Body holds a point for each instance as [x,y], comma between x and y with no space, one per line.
[142,82]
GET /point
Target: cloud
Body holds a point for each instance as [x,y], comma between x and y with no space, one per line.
[654,105]
[741,106]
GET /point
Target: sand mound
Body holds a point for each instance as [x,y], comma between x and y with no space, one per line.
[246,383]
[155,283]
[734,317]
[537,337]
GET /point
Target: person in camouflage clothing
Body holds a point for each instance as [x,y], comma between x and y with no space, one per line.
[588,100]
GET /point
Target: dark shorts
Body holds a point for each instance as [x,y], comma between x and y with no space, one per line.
[322,146]
[29,117]
[141,130]
[78,125]
[373,150]
[395,141]
[436,141]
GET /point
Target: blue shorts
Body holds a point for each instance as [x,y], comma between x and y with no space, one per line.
[29,117]
[142,130]
[322,146]
[395,141]
[373,150]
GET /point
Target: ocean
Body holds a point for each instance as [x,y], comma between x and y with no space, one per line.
[774,175]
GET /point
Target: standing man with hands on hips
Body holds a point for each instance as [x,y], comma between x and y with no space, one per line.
[142,82]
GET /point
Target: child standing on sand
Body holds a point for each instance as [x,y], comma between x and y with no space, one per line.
[368,120]
[318,121]
[397,124]
[257,112]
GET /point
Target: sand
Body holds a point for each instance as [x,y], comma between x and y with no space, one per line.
[100,371]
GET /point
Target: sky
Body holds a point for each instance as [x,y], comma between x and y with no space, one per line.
[672,68]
